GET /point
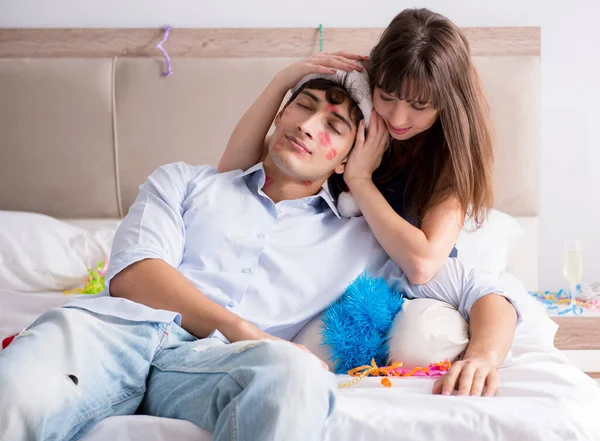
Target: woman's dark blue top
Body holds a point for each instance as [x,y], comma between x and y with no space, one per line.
[393,191]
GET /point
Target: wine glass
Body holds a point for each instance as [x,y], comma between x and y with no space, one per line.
[573,266]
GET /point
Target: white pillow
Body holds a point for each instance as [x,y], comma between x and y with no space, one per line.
[486,249]
[427,331]
[41,253]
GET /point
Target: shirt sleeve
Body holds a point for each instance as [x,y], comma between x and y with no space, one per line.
[154,227]
[453,284]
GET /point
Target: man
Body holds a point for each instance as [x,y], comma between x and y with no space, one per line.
[209,275]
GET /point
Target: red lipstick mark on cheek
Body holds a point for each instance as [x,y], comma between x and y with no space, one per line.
[307,183]
[331,154]
[278,145]
[268,181]
[324,138]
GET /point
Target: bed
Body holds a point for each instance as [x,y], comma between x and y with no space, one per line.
[86,115]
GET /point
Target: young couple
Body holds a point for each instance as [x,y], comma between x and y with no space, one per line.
[214,271]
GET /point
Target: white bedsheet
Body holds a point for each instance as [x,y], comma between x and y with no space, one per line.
[542,397]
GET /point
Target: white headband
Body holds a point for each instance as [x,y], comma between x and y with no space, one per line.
[358,82]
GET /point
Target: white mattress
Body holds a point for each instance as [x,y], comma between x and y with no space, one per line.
[542,397]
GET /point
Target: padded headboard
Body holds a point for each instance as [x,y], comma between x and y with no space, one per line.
[85,115]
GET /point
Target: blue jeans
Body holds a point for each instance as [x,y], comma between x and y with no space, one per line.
[72,368]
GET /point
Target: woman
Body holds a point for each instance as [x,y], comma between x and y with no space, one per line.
[436,170]
[427,93]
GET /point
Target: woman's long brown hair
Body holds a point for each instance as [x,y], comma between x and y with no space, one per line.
[423,57]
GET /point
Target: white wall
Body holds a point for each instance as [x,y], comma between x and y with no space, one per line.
[570,199]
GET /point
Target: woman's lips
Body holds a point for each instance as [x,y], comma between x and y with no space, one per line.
[397,130]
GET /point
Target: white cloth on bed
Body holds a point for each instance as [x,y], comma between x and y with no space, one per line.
[542,396]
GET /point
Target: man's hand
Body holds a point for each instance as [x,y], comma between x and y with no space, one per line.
[469,376]
[244,330]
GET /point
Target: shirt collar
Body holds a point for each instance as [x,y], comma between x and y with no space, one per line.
[327,198]
[253,169]
[256,177]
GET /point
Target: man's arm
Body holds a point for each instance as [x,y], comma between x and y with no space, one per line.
[155,283]
[148,247]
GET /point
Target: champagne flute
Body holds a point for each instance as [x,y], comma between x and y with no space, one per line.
[573,266]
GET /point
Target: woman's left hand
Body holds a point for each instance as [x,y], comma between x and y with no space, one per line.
[469,376]
[366,155]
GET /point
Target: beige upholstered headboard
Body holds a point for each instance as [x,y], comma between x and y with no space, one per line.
[85,115]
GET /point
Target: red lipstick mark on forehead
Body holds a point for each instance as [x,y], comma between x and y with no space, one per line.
[324,138]
[331,108]
[331,154]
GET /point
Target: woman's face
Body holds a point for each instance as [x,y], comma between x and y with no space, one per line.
[402,118]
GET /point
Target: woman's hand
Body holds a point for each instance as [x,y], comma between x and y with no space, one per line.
[366,155]
[469,376]
[321,63]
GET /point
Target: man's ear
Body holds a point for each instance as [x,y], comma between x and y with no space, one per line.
[341,167]
[277,120]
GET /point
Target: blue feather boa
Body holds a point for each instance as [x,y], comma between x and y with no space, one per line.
[356,326]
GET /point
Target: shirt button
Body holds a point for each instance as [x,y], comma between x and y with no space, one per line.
[232,303]
[247,270]
[260,236]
